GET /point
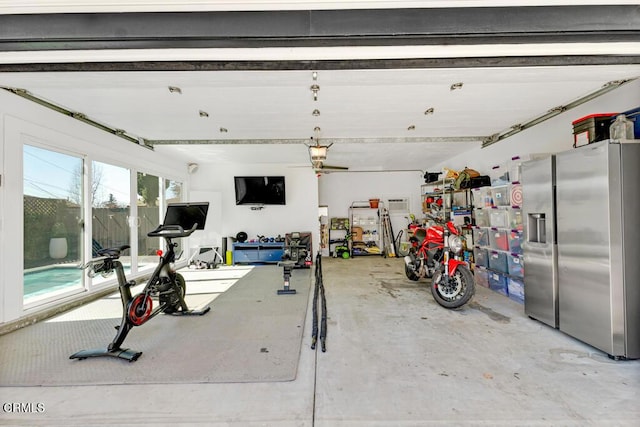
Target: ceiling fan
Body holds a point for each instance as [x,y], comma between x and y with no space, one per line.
[318,155]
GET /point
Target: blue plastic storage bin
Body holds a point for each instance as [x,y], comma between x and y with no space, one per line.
[481,276]
[515,289]
[515,265]
[498,282]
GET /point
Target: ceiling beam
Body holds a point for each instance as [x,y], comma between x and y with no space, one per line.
[320,28]
[364,64]
[451,139]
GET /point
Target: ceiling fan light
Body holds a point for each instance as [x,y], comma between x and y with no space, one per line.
[318,153]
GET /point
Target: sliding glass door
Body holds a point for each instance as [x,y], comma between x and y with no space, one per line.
[110,209]
[53,218]
[148,219]
[59,190]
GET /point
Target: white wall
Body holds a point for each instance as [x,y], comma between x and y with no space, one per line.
[339,190]
[299,214]
[552,136]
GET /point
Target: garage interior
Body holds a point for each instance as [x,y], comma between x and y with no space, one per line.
[394,91]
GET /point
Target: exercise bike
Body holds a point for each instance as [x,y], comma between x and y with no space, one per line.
[165,284]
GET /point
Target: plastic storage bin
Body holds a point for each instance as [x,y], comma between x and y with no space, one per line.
[481,236]
[515,289]
[499,175]
[499,283]
[515,167]
[500,196]
[498,218]
[515,241]
[514,219]
[481,276]
[515,265]
[482,217]
[498,261]
[499,239]
[515,194]
[481,197]
[634,116]
[481,257]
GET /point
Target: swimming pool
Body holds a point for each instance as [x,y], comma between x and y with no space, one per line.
[51,279]
[57,278]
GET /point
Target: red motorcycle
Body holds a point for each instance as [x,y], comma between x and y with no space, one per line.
[436,253]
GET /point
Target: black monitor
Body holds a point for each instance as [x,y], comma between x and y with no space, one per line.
[187,214]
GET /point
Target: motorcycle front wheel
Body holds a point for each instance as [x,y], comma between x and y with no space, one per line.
[454,291]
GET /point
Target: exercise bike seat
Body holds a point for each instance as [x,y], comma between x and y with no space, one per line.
[113,253]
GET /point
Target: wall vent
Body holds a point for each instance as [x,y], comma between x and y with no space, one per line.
[398,205]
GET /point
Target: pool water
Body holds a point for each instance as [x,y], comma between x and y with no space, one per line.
[50,280]
[54,279]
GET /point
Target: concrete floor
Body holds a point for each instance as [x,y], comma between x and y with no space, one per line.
[394,358]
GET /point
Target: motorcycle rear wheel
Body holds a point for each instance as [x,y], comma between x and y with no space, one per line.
[457,291]
[411,273]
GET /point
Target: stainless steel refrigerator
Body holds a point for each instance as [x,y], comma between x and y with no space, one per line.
[598,240]
[539,245]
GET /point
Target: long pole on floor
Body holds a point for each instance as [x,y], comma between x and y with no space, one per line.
[318,294]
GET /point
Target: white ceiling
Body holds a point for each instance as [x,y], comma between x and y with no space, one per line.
[367,113]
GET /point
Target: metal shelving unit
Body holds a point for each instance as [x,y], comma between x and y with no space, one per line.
[366,233]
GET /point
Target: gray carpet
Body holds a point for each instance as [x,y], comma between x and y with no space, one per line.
[251,334]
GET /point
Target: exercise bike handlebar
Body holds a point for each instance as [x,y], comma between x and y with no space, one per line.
[172,231]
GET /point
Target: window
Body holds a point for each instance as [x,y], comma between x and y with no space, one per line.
[52,203]
[110,209]
[148,218]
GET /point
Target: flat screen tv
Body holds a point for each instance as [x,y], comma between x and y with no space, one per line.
[260,190]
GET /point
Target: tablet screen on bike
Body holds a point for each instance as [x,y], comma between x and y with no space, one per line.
[187,214]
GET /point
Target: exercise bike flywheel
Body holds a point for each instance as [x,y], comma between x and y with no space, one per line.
[139,309]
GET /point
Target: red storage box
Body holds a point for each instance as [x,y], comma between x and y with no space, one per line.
[592,128]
